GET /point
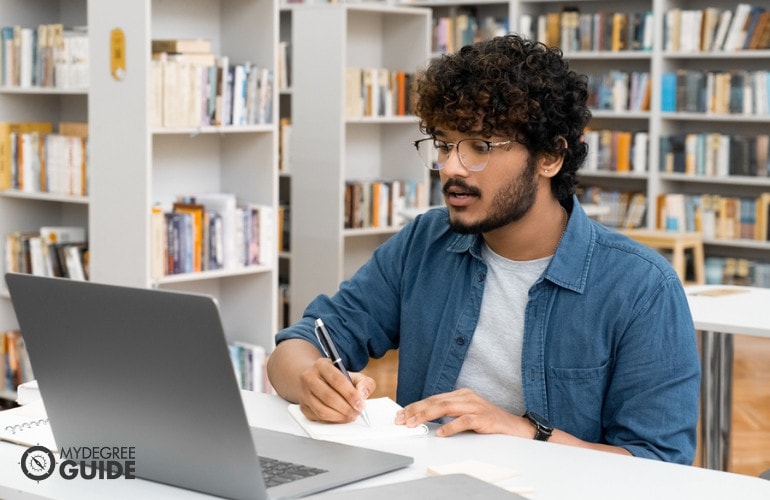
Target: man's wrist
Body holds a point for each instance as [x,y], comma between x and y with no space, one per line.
[543,428]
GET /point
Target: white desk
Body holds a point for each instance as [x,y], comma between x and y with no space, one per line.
[719,317]
[554,472]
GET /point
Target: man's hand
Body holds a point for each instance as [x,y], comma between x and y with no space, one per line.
[327,396]
[470,412]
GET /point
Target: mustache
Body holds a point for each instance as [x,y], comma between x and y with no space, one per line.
[459,183]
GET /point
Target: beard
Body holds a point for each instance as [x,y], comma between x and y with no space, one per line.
[510,203]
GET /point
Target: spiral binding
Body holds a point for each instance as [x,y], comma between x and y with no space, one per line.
[13,429]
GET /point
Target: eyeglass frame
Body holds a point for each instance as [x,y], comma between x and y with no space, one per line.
[456,145]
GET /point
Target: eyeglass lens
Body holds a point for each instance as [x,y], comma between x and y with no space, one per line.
[473,153]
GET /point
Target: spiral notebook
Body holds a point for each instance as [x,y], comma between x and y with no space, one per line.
[27,425]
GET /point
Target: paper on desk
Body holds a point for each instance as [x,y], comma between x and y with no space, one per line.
[382,414]
[488,472]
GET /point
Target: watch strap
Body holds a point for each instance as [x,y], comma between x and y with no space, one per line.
[543,429]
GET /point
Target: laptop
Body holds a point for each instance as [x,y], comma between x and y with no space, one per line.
[150,369]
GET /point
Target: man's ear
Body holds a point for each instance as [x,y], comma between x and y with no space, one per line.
[549,164]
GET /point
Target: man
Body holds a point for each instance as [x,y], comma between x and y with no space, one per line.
[512,311]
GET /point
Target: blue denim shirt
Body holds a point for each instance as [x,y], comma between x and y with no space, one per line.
[609,352]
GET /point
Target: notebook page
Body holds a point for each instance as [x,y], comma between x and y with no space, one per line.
[382,414]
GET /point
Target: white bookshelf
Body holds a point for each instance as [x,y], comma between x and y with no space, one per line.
[132,165]
[328,148]
[745,124]
[27,211]
[136,166]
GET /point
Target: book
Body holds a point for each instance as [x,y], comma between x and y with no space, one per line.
[225,205]
[16,260]
[723,25]
[249,364]
[198,213]
[668,86]
[637,208]
[7,131]
[74,260]
[266,237]
[17,368]
[750,26]
[762,217]
[382,414]
[623,157]
[182,45]
[38,256]
[736,35]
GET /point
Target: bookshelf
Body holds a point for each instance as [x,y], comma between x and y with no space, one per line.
[24,210]
[138,165]
[135,165]
[731,182]
[658,56]
[329,148]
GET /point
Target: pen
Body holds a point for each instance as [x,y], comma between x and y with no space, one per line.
[330,351]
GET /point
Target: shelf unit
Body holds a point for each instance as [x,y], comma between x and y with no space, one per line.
[742,124]
[657,60]
[137,166]
[327,148]
[133,166]
[26,211]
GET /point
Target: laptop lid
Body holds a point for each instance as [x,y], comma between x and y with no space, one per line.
[150,370]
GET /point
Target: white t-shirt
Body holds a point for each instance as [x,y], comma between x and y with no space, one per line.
[492,367]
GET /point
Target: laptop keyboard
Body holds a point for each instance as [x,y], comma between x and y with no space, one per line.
[277,472]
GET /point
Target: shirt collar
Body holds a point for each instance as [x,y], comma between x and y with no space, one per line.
[570,263]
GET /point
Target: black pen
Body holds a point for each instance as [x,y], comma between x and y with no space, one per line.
[330,351]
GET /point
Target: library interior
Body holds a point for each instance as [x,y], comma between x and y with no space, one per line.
[260,152]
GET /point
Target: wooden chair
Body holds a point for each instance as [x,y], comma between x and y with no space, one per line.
[678,243]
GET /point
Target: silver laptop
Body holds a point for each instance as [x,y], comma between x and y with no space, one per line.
[150,369]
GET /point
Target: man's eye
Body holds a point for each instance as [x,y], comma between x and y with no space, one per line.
[441,147]
[480,146]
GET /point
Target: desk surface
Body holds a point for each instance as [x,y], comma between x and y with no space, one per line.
[552,471]
[739,309]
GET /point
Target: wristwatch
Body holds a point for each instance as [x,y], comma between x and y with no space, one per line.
[543,428]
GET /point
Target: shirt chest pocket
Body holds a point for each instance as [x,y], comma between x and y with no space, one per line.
[576,397]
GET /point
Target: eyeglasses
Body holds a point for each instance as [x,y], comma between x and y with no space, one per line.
[473,153]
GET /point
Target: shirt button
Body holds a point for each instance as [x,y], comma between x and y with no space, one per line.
[532,374]
[480,277]
[460,341]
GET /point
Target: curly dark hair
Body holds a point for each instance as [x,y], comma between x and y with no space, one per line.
[513,87]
